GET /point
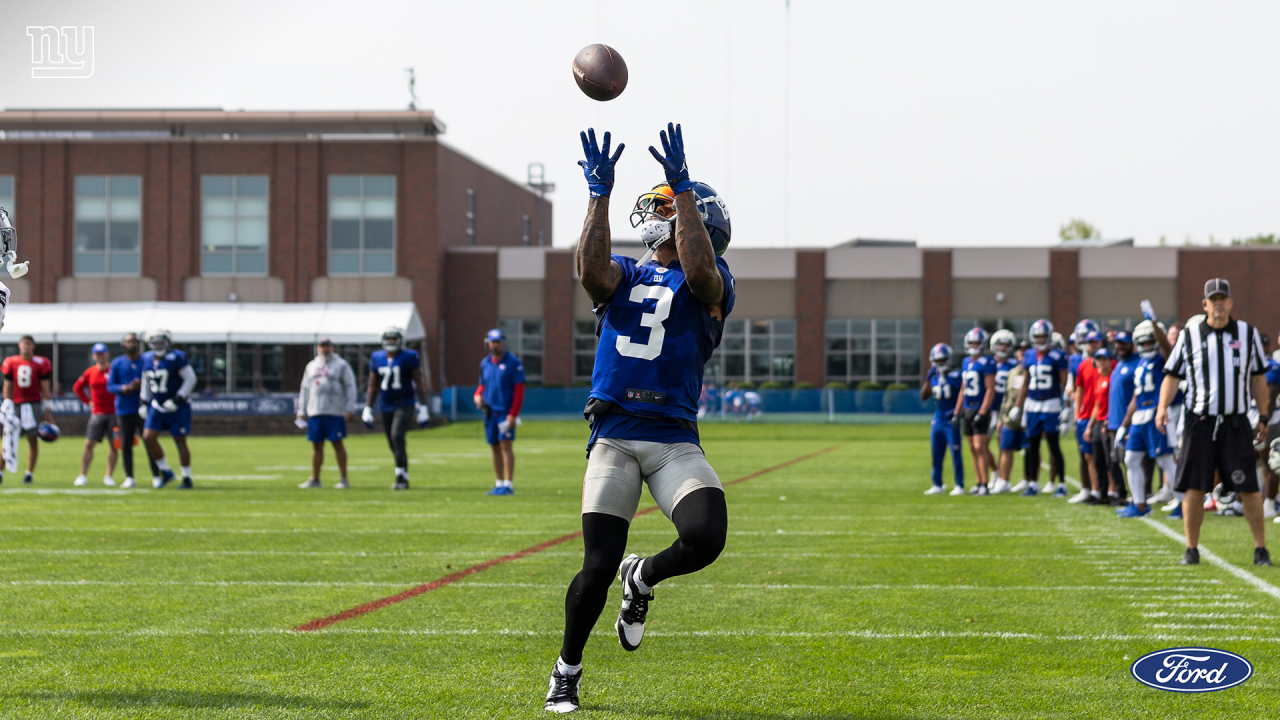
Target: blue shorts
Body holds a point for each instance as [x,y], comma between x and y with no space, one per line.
[491,428]
[1011,439]
[1038,423]
[1086,446]
[326,427]
[1145,438]
[178,423]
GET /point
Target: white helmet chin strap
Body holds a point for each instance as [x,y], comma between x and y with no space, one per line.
[653,233]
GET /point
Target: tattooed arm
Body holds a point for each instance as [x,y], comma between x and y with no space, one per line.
[697,259]
[600,274]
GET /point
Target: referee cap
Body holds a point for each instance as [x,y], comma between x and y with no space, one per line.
[1217,286]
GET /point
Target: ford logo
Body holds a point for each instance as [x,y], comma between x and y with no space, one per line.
[1191,669]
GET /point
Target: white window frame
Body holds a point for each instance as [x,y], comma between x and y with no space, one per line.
[777,341]
[875,334]
[584,336]
[8,201]
[106,252]
[235,218]
[513,328]
[395,241]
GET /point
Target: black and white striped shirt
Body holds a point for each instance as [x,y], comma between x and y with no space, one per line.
[1218,365]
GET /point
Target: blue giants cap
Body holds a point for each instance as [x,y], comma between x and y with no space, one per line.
[495,334]
[100,347]
[1124,337]
[1103,354]
[1093,337]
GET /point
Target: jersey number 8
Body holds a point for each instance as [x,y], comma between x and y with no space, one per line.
[24,376]
[652,320]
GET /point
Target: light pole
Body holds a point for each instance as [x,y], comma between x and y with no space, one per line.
[537,182]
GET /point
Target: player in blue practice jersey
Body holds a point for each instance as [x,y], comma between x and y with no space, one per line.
[1039,404]
[500,395]
[946,387]
[658,319]
[397,385]
[978,372]
[1138,432]
[167,383]
[1003,347]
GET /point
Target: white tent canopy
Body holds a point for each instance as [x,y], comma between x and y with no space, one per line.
[192,322]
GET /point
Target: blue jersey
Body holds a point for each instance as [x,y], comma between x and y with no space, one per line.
[1121,390]
[396,389]
[946,391]
[1002,381]
[1147,380]
[655,338]
[1044,379]
[1073,364]
[162,373]
[124,371]
[1273,371]
[974,372]
[499,380]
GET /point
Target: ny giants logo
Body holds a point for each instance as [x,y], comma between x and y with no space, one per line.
[65,53]
[1191,670]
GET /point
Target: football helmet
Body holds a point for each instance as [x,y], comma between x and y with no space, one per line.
[1058,341]
[655,214]
[392,339]
[940,355]
[160,340]
[48,432]
[1086,326]
[1002,343]
[974,340]
[1144,339]
[9,246]
[1041,334]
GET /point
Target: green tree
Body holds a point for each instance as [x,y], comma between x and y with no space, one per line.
[1258,239]
[1077,229]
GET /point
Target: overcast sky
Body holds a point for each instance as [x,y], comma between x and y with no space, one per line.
[950,123]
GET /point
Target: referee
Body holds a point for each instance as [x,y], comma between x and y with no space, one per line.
[1222,361]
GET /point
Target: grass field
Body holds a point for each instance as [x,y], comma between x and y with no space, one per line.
[843,592]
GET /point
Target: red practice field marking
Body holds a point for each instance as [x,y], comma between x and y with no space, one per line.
[357,611]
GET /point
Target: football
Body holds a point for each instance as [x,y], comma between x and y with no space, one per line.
[600,72]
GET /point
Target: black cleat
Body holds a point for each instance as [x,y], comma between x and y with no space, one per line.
[400,484]
[1191,557]
[186,483]
[28,479]
[562,696]
[1261,556]
[635,606]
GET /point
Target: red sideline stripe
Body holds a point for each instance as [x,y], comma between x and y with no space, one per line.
[324,622]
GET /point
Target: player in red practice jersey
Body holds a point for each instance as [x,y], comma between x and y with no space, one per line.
[27,384]
[91,388]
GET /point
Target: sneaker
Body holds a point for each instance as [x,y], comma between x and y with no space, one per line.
[186,483]
[1172,504]
[1268,508]
[1061,492]
[1094,500]
[1261,557]
[1001,486]
[957,490]
[562,695]
[1230,511]
[1050,489]
[166,477]
[635,605]
[342,484]
[28,479]
[1191,557]
[311,483]
[128,483]
[496,490]
[400,484]
[1080,497]
[934,490]
[1117,501]
[1133,511]
[1176,514]
[1031,490]
[108,481]
[80,481]
[1165,494]
[983,490]
[974,490]
[1210,505]
[1022,485]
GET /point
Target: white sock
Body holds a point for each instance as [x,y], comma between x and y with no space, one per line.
[128,478]
[506,483]
[1095,493]
[1137,478]
[498,483]
[1000,479]
[186,471]
[163,464]
[402,472]
[81,477]
[107,477]
[565,668]
[1179,496]
[644,589]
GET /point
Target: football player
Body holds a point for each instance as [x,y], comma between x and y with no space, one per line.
[658,323]
[396,383]
[1003,343]
[1039,406]
[500,395]
[168,381]
[978,373]
[1083,377]
[1143,437]
[1120,394]
[27,385]
[945,385]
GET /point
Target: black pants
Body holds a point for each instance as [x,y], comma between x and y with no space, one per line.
[1031,459]
[701,520]
[130,425]
[1106,465]
[396,424]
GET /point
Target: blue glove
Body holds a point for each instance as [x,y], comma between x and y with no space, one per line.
[673,164]
[598,167]
[1148,312]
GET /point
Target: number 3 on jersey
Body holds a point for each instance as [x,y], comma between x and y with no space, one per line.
[652,320]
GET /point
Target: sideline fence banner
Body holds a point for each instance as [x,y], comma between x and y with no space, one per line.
[247,404]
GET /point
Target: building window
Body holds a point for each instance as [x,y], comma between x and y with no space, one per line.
[471,217]
[108,224]
[6,197]
[233,227]
[524,340]
[960,326]
[1127,324]
[362,217]
[259,368]
[755,351]
[525,228]
[209,361]
[883,350]
[584,349]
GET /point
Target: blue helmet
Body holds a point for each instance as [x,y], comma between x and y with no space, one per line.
[1041,334]
[1084,327]
[974,340]
[940,354]
[653,211]
[47,431]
